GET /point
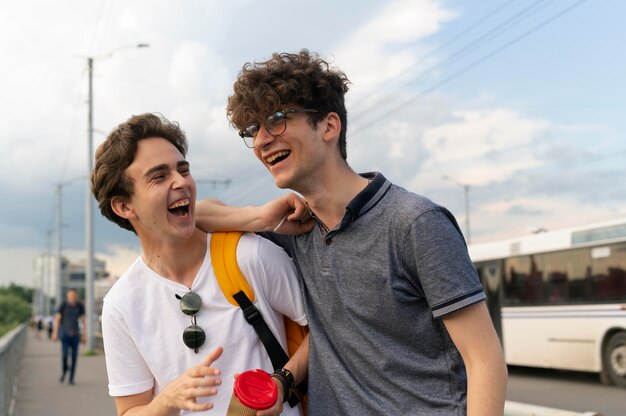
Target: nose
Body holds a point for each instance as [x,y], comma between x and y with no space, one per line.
[182,181]
[263,138]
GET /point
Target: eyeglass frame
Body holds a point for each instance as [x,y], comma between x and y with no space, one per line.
[192,312]
[245,134]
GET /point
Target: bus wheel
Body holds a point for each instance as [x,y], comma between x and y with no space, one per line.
[615,359]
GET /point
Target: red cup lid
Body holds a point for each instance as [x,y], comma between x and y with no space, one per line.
[256,390]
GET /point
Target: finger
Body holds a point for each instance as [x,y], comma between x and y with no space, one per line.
[201,372]
[274,410]
[202,381]
[205,391]
[196,407]
[212,356]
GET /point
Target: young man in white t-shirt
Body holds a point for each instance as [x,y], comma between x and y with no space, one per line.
[143,183]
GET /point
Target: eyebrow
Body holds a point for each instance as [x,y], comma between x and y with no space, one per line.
[163,166]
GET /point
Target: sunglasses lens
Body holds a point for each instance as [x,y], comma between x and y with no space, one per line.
[194,336]
[191,303]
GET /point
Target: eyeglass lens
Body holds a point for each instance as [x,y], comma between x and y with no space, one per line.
[276,124]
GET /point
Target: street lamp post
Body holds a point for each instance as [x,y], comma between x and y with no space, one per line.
[89,255]
[465,187]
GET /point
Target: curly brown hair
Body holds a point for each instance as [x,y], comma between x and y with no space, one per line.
[302,79]
[117,152]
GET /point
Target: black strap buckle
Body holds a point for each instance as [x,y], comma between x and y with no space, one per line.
[252,314]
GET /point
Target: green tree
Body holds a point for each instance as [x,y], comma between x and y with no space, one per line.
[21,292]
[14,307]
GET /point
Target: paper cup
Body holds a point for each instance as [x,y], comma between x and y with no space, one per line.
[254,390]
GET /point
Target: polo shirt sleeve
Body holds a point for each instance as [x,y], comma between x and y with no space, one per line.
[127,371]
[439,264]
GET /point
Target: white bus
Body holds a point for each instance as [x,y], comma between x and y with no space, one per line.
[558,299]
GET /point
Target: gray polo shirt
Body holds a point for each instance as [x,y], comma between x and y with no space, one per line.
[375,287]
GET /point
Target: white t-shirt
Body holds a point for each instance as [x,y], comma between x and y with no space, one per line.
[143,325]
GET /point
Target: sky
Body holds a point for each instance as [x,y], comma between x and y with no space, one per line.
[521,103]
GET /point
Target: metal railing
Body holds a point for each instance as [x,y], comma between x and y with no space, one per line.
[11,349]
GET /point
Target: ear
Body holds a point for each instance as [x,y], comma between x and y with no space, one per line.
[122,208]
[332,127]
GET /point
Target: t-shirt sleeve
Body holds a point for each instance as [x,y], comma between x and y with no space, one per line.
[127,371]
[281,240]
[278,278]
[439,263]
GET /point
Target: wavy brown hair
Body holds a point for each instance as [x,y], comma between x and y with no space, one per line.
[117,152]
[302,79]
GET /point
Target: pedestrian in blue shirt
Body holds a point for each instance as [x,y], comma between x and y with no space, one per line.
[67,328]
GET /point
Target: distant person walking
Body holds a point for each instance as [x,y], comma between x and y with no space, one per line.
[66,327]
[49,325]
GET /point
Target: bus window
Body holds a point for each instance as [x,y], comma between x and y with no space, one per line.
[565,276]
[523,280]
[608,267]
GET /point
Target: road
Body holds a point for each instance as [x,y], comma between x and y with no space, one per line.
[566,390]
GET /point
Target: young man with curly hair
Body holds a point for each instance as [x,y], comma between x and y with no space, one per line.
[396,311]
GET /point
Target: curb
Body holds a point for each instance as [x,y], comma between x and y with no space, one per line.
[523,409]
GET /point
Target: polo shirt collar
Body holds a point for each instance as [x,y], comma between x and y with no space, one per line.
[360,204]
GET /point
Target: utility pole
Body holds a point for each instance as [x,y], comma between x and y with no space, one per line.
[89,299]
[58,289]
[89,250]
[47,281]
[468,235]
[467,213]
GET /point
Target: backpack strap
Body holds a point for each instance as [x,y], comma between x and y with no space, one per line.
[224,260]
[239,293]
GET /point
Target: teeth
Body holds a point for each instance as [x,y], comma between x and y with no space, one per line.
[275,156]
[181,203]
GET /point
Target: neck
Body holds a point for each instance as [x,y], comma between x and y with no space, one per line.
[331,192]
[177,261]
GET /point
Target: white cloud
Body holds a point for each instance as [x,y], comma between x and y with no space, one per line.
[389,44]
[195,66]
[484,146]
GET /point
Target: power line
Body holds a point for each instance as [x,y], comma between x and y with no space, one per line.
[99,28]
[509,23]
[470,66]
[405,72]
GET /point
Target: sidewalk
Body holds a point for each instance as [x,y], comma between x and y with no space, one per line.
[41,394]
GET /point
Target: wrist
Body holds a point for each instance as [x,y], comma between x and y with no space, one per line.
[286,379]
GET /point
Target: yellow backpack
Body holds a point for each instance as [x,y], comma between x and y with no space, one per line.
[239,293]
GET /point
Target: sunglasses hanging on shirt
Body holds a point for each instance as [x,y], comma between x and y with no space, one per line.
[193,335]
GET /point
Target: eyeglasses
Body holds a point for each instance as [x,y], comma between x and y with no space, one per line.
[193,335]
[275,124]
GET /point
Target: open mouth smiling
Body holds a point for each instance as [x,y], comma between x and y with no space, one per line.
[179,208]
[277,157]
